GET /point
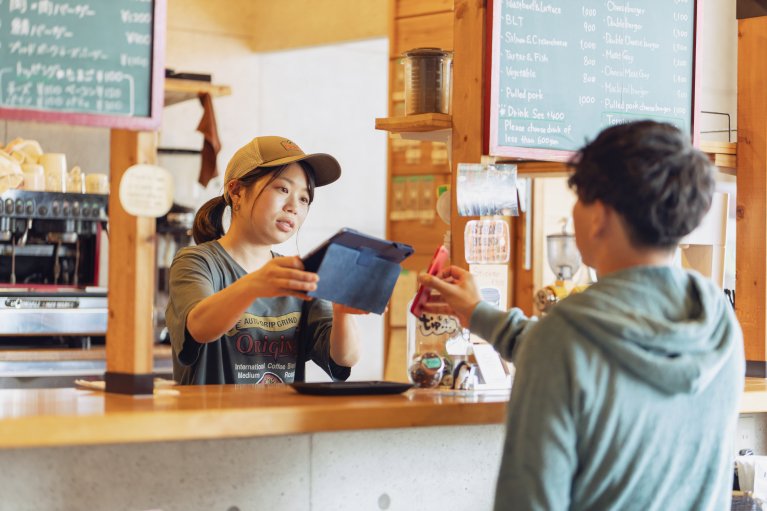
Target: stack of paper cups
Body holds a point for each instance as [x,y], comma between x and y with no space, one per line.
[34,177]
[55,165]
[97,183]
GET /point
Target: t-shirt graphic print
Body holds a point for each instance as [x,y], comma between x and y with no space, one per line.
[265,347]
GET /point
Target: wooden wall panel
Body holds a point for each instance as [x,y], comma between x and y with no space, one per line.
[406,8]
[468,73]
[271,25]
[751,245]
[283,24]
[434,30]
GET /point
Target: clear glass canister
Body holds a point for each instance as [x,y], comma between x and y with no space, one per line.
[429,364]
[428,80]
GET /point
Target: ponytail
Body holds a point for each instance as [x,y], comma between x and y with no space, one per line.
[208,222]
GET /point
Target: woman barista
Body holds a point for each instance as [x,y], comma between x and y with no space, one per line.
[238,312]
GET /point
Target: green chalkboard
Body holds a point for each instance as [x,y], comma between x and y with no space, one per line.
[96,62]
[562,70]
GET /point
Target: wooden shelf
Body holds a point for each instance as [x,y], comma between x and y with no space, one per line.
[177,90]
[415,123]
[722,154]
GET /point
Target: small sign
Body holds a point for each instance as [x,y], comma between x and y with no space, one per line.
[146,190]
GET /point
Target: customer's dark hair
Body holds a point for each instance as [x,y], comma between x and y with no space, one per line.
[209,220]
[651,175]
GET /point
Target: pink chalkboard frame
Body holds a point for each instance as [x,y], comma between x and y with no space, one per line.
[135,123]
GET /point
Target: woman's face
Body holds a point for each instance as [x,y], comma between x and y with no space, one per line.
[277,209]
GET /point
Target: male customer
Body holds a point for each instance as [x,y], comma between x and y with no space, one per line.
[625,395]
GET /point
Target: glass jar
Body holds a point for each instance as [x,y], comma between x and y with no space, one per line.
[429,362]
[428,80]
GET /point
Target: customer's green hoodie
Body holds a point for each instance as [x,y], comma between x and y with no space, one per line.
[625,396]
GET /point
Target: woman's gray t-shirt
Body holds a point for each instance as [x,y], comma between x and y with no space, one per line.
[264,345]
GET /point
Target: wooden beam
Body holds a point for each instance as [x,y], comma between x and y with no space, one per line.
[130,336]
[298,23]
[467,104]
[751,246]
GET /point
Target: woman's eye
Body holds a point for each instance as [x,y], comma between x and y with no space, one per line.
[305,200]
[283,189]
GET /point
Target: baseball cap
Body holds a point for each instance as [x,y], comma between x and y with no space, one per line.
[271,151]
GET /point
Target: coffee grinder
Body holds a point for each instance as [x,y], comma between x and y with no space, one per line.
[565,261]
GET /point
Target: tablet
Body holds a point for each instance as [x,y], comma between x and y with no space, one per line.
[356,240]
[351,388]
[357,269]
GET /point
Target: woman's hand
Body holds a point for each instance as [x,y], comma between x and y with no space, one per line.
[458,294]
[344,335]
[283,276]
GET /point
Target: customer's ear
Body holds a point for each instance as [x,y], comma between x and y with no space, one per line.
[601,216]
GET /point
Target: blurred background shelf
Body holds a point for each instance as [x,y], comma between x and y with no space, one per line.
[177,90]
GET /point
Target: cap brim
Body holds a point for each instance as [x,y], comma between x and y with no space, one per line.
[325,168]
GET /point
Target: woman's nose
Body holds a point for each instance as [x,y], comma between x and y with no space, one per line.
[291,204]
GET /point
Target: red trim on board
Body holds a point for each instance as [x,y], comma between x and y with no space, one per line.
[488,76]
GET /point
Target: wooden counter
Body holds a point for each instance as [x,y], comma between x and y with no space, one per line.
[755,396]
[59,417]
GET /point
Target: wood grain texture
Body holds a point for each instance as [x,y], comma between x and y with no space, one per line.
[429,31]
[407,8]
[177,90]
[468,96]
[130,336]
[751,224]
[299,23]
[60,417]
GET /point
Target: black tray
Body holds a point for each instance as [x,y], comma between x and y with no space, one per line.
[350,388]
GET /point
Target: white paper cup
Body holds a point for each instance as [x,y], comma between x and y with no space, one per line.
[34,177]
[97,183]
[55,165]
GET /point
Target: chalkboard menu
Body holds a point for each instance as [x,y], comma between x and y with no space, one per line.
[93,62]
[562,70]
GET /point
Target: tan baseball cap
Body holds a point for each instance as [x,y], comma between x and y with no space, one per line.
[270,151]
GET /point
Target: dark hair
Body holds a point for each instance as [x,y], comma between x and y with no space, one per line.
[651,175]
[208,222]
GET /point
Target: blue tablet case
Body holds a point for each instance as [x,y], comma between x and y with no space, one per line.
[357,270]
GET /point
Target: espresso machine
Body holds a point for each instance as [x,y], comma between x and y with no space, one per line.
[49,256]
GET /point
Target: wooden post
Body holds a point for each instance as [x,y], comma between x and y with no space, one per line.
[130,335]
[751,247]
[467,105]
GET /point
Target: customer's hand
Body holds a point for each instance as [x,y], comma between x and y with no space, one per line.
[458,293]
[283,276]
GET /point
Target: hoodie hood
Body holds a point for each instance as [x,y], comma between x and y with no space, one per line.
[671,328]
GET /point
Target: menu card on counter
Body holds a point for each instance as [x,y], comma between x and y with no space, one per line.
[563,70]
[95,62]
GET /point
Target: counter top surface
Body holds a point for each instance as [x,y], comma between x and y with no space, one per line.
[57,417]
[73,416]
